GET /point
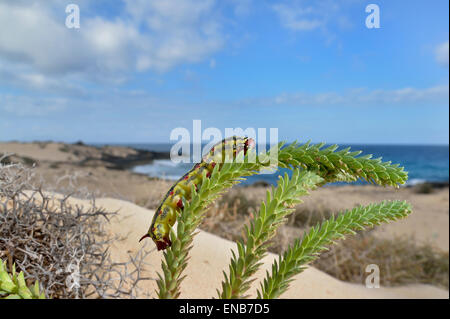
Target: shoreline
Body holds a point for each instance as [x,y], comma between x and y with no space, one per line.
[263,183]
[79,154]
[127,158]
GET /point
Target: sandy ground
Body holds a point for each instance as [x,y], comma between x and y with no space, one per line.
[429,222]
[60,152]
[37,151]
[211,254]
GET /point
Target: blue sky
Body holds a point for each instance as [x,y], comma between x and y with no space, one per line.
[136,69]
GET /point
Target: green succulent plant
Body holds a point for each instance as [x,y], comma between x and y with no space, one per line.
[312,166]
[13,286]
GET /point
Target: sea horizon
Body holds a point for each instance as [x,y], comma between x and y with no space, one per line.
[424,163]
[165,143]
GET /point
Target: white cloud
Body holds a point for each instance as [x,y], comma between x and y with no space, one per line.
[30,35]
[23,77]
[441,53]
[148,35]
[304,15]
[181,30]
[242,7]
[172,14]
[31,106]
[428,97]
[297,19]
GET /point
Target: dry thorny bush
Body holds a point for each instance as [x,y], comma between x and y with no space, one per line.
[62,246]
[401,261]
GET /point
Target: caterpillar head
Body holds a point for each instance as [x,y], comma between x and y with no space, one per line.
[229,147]
[160,236]
[248,144]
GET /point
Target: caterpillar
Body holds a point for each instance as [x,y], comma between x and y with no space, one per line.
[172,203]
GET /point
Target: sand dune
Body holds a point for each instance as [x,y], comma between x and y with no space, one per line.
[211,254]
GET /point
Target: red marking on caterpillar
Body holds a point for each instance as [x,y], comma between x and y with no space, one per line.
[170,207]
[163,244]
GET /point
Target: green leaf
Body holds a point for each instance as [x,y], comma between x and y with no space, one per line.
[319,237]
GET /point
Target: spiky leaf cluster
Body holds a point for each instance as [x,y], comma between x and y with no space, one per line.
[341,165]
[272,213]
[13,286]
[319,237]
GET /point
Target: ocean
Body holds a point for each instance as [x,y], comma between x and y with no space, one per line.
[423,163]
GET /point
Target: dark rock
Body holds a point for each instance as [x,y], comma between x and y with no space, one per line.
[260,184]
[141,157]
[428,187]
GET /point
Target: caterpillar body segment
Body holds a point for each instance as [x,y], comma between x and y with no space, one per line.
[172,203]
